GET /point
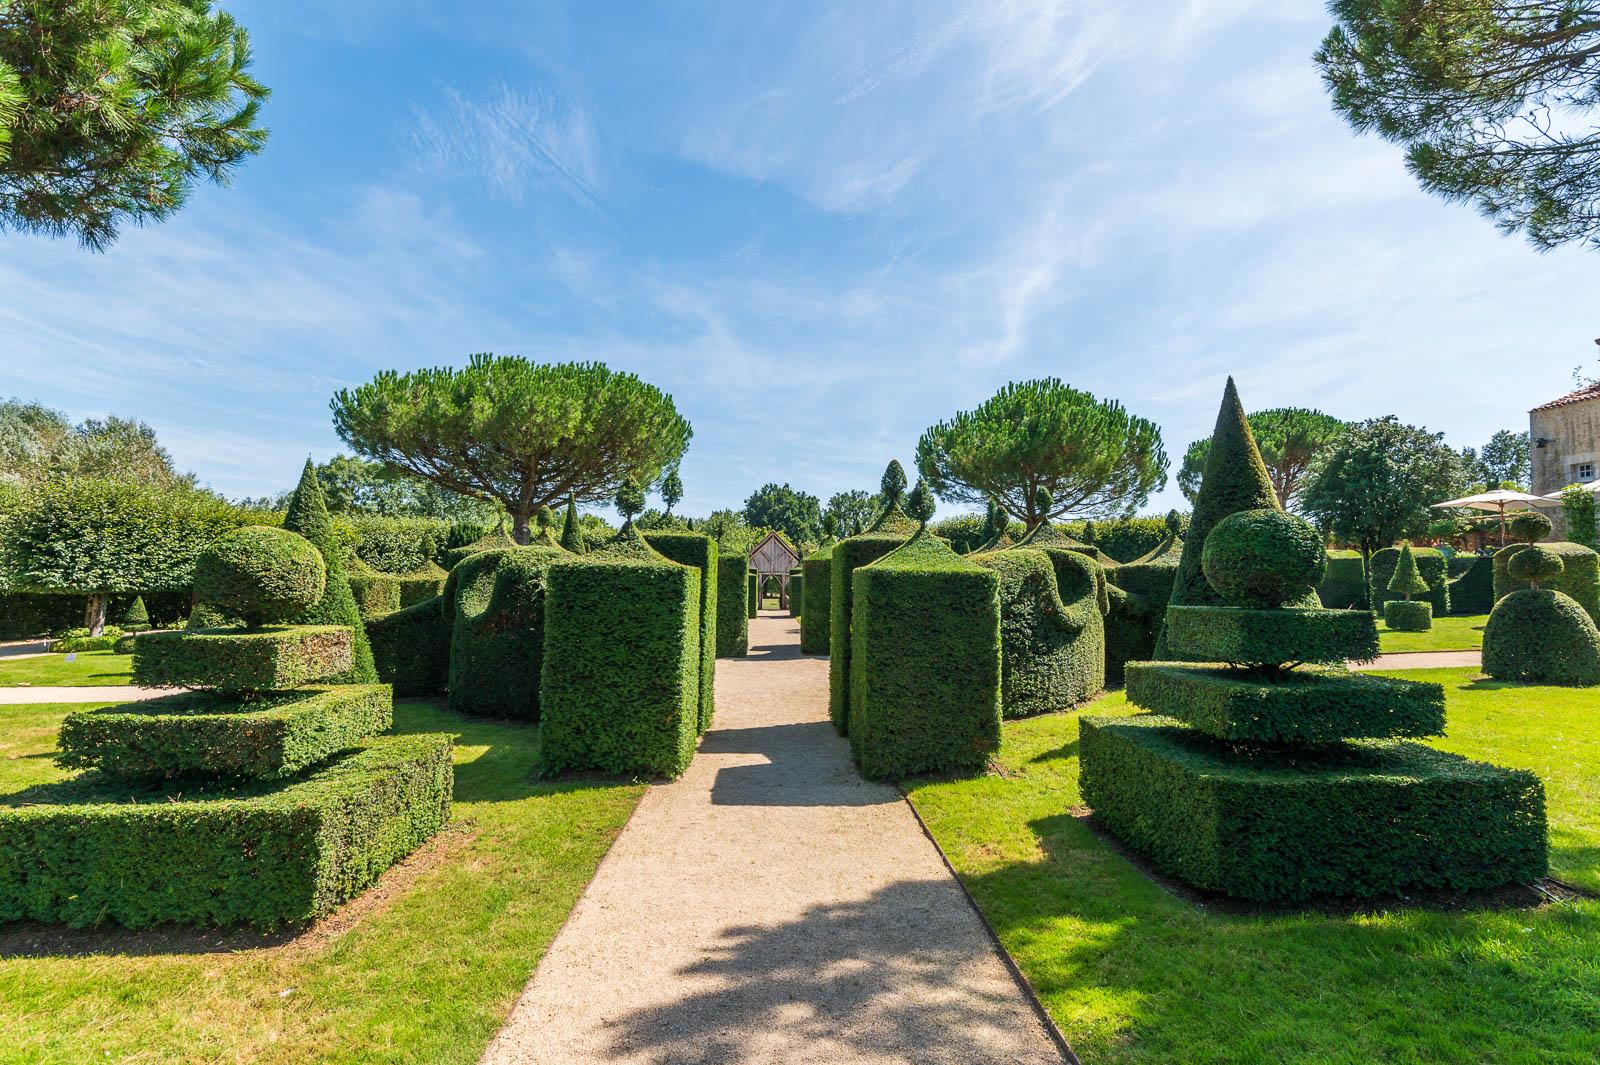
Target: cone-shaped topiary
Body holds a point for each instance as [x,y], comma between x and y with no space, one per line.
[893,483]
[1407,580]
[260,574]
[571,535]
[893,519]
[919,504]
[308,516]
[136,617]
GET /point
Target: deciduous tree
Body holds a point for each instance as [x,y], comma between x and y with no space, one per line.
[1289,439]
[796,514]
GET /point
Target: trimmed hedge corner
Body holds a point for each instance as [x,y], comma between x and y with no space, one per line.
[815,626]
[1344,585]
[848,555]
[234,660]
[411,648]
[699,551]
[1052,637]
[796,591]
[495,600]
[733,619]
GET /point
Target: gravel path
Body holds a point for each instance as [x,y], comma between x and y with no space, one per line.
[43,693]
[773,907]
[1424,660]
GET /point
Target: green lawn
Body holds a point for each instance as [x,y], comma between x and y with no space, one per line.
[426,971]
[1447,634]
[1133,974]
[91,668]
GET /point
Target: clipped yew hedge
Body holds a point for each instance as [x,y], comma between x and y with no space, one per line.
[815,623]
[241,660]
[411,648]
[1052,637]
[733,619]
[1471,585]
[495,601]
[1344,584]
[1579,577]
[1431,563]
[699,551]
[848,555]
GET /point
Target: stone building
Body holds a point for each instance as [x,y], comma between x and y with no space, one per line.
[1565,438]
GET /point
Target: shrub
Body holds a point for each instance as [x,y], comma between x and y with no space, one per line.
[308,515]
[1046,535]
[496,601]
[411,648]
[925,672]
[492,541]
[399,544]
[91,850]
[376,594]
[1344,584]
[1534,565]
[1529,526]
[421,584]
[1579,578]
[815,623]
[135,617]
[1544,636]
[733,618]
[694,549]
[1125,540]
[1052,637]
[1406,581]
[1472,589]
[622,664]
[1578,505]
[260,574]
[1354,819]
[848,555]
[752,600]
[196,734]
[1271,637]
[78,640]
[1139,595]
[1431,564]
[235,660]
[1404,615]
[1263,558]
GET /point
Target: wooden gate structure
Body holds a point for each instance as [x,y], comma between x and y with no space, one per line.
[773,557]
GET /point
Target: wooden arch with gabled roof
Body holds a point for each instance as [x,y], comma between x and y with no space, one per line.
[774,556]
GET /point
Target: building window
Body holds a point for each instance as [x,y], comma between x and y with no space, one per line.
[1583,471]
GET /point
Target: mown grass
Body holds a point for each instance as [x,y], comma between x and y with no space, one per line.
[89,668]
[1132,973]
[425,972]
[1447,634]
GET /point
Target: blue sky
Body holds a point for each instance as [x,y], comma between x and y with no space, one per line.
[821,226]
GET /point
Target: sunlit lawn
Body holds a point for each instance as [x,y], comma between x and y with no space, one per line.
[1447,634]
[426,973]
[1132,973]
[90,668]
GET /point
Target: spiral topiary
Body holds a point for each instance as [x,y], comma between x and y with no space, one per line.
[1534,565]
[919,504]
[1263,559]
[260,574]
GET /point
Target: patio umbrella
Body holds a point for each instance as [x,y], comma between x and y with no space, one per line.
[1497,500]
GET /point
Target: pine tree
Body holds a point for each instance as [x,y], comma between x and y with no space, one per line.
[308,516]
[1407,580]
[571,536]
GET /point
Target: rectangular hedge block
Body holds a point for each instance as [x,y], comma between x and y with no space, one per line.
[202,734]
[1364,819]
[694,549]
[1305,706]
[411,648]
[1233,634]
[376,594]
[752,603]
[847,556]
[84,852]
[733,621]
[1472,588]
[925,674]
[814,612]
[274,658]
[621,681]
[1344,585]
[797,588]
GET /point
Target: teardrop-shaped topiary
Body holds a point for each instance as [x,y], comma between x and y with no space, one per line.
[1535,565]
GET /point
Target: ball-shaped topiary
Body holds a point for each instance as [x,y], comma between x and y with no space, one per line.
[260,574]
[1529,526]
[1263,558]
[1534,565]
[1542,635]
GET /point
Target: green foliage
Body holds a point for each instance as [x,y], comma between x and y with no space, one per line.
[1271,638]
[135,616]
[260,574]
[1504,462]
[411,648]
[854,511]
[1052,635]
[699,552]
[1289,439]
[1306,706]
[523,433]
[671,488]
[1269,824]
[797,590]
[91,850]
[629,499]
[1489,99]
[752,596]
[1344,583]
[925,673]
[816,624]
[1579,577]
[1263,558]
[1406,581]
[119,109]
[1578,506]
[490,541]
[1403,615]
[399,544]
[1090,456]
[796,514]
[733,596]
[37,443]
[1472,589]
[79,639]
[241,660]
[1529,526]
[1543,636]
[308,515]
[1431,566]
[361,489]
[496,602]
[571,536]
[1137,596]
[1535,565]
[621,678]
[200,734]
[25,614]
[847,555]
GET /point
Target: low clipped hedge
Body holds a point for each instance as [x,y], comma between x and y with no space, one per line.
[752,599]
[411,648]
[815,626]
[694,549]
[1138,598]
[1344,584]
[1579,578]
[1052,638]
[1306,706]
[1431,563]
[1543,636]
[495,601]
[848,555]
[1356,819]
[199,734]
[91,850]
[241,660]
[733,619]
[1471,585]
[621,666]
[1271,637]
[925,673]
[1408,615]
[383,593]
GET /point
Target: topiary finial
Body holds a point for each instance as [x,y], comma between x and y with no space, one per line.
[1042,502]
[1174,523]
[630,499]
[1529,527]
[1535,564]
[571,535]
[919,504]
[1089,532]
[544,517]
[1407,579]
[1263,558]
[893,485]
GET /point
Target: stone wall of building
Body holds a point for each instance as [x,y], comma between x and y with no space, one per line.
[1573,449]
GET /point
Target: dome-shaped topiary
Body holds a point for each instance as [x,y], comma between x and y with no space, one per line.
[1263,558]
[1541,635]
[1529,526]
[260,574]
[1535,565]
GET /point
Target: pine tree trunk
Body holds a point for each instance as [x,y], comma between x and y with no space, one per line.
[94,614]
[519,529]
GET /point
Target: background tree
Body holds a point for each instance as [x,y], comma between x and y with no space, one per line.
[1289,439]
[671,488]
[1503,461]
[37,442]
[1489,98]
[1374,486]
[798,515]
[853,511]
[522,434]
[1578,505]
[1089,456]
[111,111]
[356,485]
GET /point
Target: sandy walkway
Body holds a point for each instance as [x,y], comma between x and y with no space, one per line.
[1426,660]
[43,693]
[772,907]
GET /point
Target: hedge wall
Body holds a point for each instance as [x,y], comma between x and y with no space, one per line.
[89,850]
[694,549]
[1471,584]
[1344,585]
[1052,639]
[733,619]
[1580,574]
[925,673]
[383,593]
[495,601]
[815,626]
[241,660]
[411,648]
[848,554]
[398,545]
[1353,819]
[622,665]
[752,595]
[1139,594]
[796,591]
[1431,564]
